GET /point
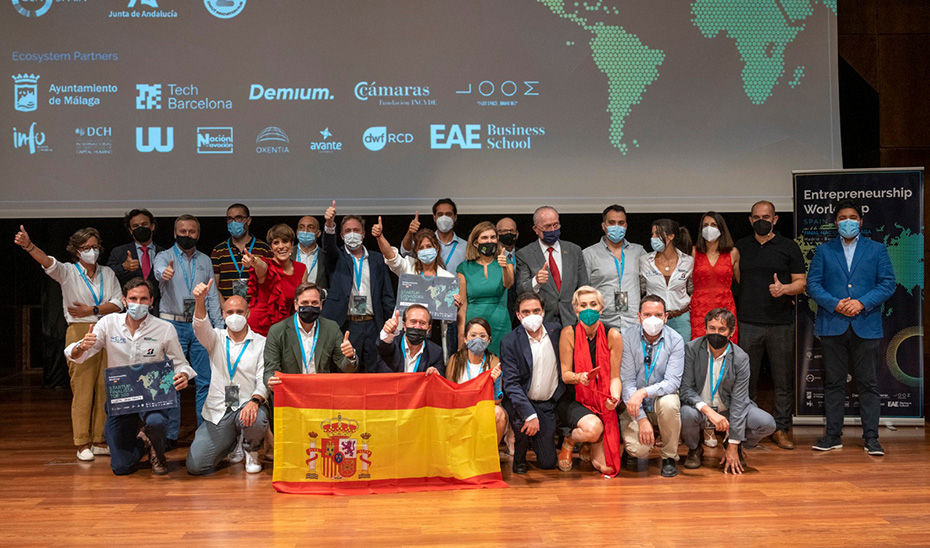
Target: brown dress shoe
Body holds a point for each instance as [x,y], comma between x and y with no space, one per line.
[781,439]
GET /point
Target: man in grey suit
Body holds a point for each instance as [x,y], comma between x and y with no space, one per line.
[551,268]
[715,391]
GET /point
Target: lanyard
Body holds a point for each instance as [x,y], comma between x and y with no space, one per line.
[723,366]
[620,267]
[316,257]
[233,257]
[403,348]
[230,367]
[468,363]
[357,265]
[655,358]
[97,298]
[189,279]
[452,247]
[303,351]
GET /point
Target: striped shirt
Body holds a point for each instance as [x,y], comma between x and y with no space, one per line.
[225,265]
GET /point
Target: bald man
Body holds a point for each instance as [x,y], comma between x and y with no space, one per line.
[309,252]
[237,392]
[507,235]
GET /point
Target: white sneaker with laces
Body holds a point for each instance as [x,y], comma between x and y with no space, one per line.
[85,455]
[710,440]
[100,450]
[237,454]
[252,464]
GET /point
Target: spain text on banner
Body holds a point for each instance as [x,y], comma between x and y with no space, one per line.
[384,433]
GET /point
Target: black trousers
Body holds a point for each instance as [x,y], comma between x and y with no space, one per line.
[839,353]
[543,442]
[364,339]
[778,341]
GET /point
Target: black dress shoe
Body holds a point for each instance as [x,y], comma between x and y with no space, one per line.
[669,468]
[694,458]
[519,468]
[874,448]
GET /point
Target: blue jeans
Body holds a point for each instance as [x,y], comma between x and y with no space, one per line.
[126,449]
[200,361]
[682,325]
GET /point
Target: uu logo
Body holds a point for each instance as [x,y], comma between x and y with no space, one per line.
[153,141]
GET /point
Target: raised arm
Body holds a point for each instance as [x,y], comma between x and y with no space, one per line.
[22,240]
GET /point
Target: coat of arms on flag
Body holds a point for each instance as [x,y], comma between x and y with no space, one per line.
[339,452]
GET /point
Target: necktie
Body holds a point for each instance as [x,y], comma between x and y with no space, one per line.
[554,271]
[146,262]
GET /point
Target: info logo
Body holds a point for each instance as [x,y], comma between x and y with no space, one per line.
[224,9]
[34,8]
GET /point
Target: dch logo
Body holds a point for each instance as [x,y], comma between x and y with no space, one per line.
[32,8]
[25,92]
[34,139]
[214,140]
[153,141]
[149,97]
[150,3]
[469,138]
[375,138]
[224,9]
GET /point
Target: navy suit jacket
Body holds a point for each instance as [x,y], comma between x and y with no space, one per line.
[517,367]
[871,281]
[391,357]
[115,262]
[341,273]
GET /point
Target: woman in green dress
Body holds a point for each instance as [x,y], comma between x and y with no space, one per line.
[484,278]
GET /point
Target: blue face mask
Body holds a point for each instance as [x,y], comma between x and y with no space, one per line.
[236,229]
[550,237]
[848,228]
[306,239]
[137,311]
[477,345]
[427,255]
[616,233]
[658,245]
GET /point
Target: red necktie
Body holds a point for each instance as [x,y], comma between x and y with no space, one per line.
[554,272]
[146,262]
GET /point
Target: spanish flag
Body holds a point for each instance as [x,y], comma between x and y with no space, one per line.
[384,433]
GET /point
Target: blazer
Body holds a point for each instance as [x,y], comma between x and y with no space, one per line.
[322,278]
[871,281]
[341,274]
[282,349]
[115,262]
[391,357]
[734,386]
[530,260]
[517,367]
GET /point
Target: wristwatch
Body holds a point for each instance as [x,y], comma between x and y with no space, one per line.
[96,311]
[256,400]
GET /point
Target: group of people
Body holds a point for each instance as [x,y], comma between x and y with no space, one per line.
[609,348]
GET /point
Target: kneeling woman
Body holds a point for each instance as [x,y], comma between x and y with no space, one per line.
[590,355]
[473,359]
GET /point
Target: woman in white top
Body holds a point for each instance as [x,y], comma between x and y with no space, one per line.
[666,272]
[89,291]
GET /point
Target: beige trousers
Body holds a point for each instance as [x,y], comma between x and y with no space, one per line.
[666,417]
[88,414]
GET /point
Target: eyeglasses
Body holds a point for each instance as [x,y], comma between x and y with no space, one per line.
[553,226]
[237,218]
[89,247]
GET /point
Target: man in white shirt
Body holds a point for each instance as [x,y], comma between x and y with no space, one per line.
[131,338]
[237,388]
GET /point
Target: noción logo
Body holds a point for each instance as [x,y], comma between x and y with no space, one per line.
[214,140]
[151,140]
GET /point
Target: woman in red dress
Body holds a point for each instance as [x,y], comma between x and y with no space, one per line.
[716,265]
[272,283]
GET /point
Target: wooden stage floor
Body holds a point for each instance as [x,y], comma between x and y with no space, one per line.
[788,498]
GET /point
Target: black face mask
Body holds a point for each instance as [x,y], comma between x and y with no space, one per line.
[716,340]
[507,239]
[308,314]
[488,249]
[415,335]
[186,242]
[142,234]
[762,227]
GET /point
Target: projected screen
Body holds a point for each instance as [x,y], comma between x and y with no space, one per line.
[187,105]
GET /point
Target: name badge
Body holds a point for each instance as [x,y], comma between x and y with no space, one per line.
[232,396]
[358,306]
[188,311]
[240,287]
[622,301]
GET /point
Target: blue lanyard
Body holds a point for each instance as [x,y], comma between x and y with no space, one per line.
[452,247]
[231,368]
[189,279]
[303,351]
[468,369]
[723,366]
[233,257]
[403,348]
[316,256]
[655,358]
[620,267]
[357,265]
[97,299]
[511,259]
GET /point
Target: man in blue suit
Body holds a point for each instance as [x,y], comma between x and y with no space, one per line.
[360,296]
[849,278]
[411,352]
[532,382]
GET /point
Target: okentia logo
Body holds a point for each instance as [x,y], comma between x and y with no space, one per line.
[214,140]
[390,95]
[272,140]
[326,145]
[32,139]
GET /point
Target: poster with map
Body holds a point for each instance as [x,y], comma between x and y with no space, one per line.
[436,293]
[140,388]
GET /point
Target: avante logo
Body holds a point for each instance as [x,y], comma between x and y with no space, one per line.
[258,91]
[325,145]
[151,141]
[214,140]
[25,92]
[35,140]
[32,8]
[375,138]
[272,140]
[224,9]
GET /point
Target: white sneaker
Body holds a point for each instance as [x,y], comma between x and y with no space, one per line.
[252,464]
[237,454]
[100,450]
[710,440]
[85,455]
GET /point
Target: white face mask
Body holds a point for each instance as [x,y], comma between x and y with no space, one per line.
[235,322]
[653,325]
[90,256]
[353,240]
[710,233]
[532,322]
[445,223]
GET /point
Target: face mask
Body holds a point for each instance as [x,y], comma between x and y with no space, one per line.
[185,242]
[488,249]
[710,233]
[532,322]
[427,255]
[762,227]
[308,314]
[415,335]
[90,256]
[848,228]
[142,234]
[716,340]
[306,239]
[616,233]
[236,229]
[550,237]
[353,240]
[589,316]
[507,239]
[652,326]
[477,345]
[658,245]
[445,223]
[137,311]
[235,322]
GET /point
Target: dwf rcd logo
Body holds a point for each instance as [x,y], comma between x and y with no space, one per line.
[151,141]
[25,92]
[149,97]
[34,139]
[214,140]
[375,138]
[272,140]
[32,8]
